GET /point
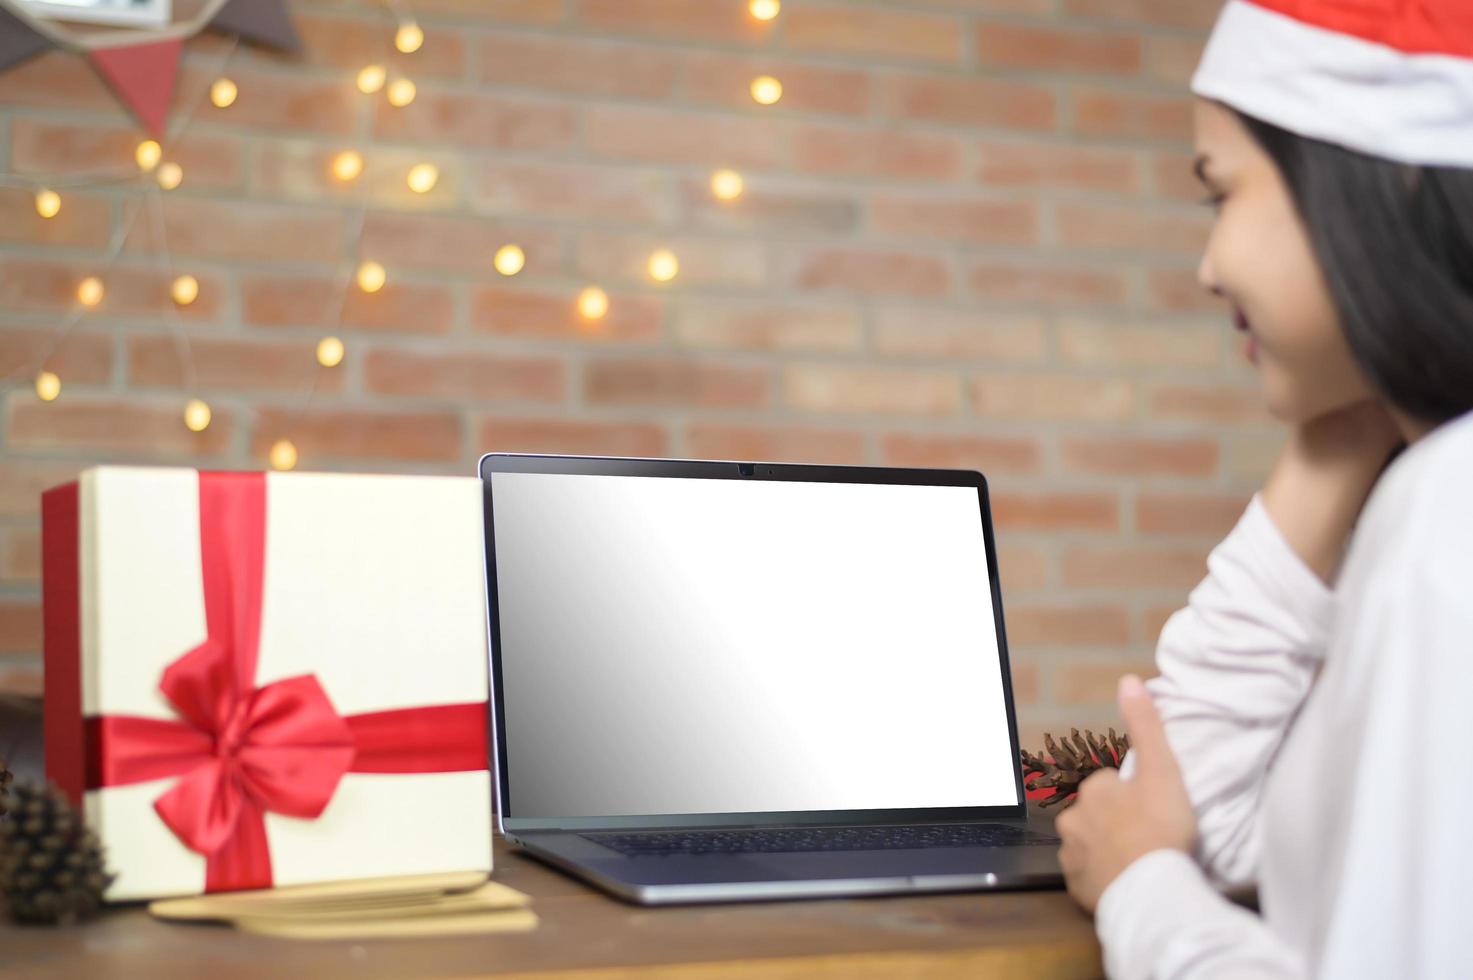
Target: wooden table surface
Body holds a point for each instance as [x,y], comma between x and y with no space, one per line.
[587,935]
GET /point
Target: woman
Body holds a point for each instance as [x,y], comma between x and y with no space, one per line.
[1310,728]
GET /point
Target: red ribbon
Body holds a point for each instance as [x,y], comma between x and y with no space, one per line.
[242,750]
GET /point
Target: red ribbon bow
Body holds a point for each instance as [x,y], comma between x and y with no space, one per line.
[242,750]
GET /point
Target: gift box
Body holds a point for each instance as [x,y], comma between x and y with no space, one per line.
[268,679]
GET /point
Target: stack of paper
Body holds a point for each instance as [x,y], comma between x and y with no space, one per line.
[415,905]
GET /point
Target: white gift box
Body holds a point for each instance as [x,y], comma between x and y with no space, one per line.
[321,716]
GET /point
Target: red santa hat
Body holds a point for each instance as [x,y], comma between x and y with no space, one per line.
[1391,78]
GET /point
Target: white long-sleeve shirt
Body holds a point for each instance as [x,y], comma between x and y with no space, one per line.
[1326,740]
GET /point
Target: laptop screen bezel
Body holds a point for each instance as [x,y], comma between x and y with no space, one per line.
[732,470]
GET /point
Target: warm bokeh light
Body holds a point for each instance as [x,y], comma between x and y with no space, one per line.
[371,277]
[593,303]
[509,260]
[727,184]
[170,175]
[184,290]
[423,177]
[89,291]
[401,92]
[764,9]
[347,165]
[197,415]
[223,93]
[48,386]
[663,266]
[283,455]
[766,90]
[371,78]
[148,154]
[409,37]
[48,203]
[329,352]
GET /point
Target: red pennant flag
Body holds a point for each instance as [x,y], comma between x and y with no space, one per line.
[143,76]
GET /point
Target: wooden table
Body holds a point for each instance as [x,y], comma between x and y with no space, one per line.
[589,936]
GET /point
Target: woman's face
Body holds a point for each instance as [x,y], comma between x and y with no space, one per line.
[1259,258]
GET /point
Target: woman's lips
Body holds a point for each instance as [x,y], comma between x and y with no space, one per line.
[1250,346]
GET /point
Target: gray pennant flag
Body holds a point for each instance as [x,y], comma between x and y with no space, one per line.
[263,21]
[18,41]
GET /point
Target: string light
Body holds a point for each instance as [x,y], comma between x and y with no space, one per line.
[347,165]
[184,290]
[764,9]
[727,184]
[223,93]
[371,277]
[423,177]
[197,415]
[766,90]
[89,291]
[48,203]
[148,154]
[283,455]
[409,37]
[401,92]
[663,265]
[371,78]
[330,352]
[48,386]
[509,260]
[170,175]
[593,303]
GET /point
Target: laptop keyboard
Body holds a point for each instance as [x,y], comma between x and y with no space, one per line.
[797,839]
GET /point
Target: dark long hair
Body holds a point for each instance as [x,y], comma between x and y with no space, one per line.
[1395,243]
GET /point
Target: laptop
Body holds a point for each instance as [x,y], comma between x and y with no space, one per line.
[728,681]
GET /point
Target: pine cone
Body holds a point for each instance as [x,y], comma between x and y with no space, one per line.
[1066,765]
[5,778]
[51,868]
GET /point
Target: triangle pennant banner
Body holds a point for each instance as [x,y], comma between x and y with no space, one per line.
[263,21]
[18,41]
[143,76]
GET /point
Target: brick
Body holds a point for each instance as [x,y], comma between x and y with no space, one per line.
[986,454]
[1048,284]
[219,229]
[540,12]
[1151,621]
[23,480]
[333,434]
[1141,456]
[48,148]
[299,301]
[301,171]
[1209,515]
[866,390]
[669,137]
[464,376]
[726,80]
[1251,456]
[52,79]
[78,357]
[554,316]
[767,326]
[20,556]
[580,67]
[971,335]
[1022,567]
[349,43]
[1197,15]
[1054,625]
[1103,343]
[1172,177]
[222,364]
[765,211]
[1004,45]
[822,149]
[1088,682]
[20,625]
[82,221]
[1130,115]
[576,436]
[687,19]
[1053,397]
[675,383]
[43,286]
[866,271]
[477,121]
[1070,166]
[1040,8]
[872,32]
[1173,60]
[703,261]
[795,444]
[1211,403]
[1119,567]
[1035,511]
[150,427]
[1024,678]
[1177,291]
[1112,228]
[270,99]
[972,102]
[574,192]
[981,222]
[22,676]
[440,243]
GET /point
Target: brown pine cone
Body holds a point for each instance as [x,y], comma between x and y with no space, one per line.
[51,866]
[1067,763]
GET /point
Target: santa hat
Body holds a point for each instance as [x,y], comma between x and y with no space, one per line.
[1391,78]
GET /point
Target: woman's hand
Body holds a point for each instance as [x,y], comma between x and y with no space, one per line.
[1114,821]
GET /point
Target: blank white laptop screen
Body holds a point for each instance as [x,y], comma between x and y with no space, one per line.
[684,646]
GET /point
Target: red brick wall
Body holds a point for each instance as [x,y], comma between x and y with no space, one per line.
[968,239]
